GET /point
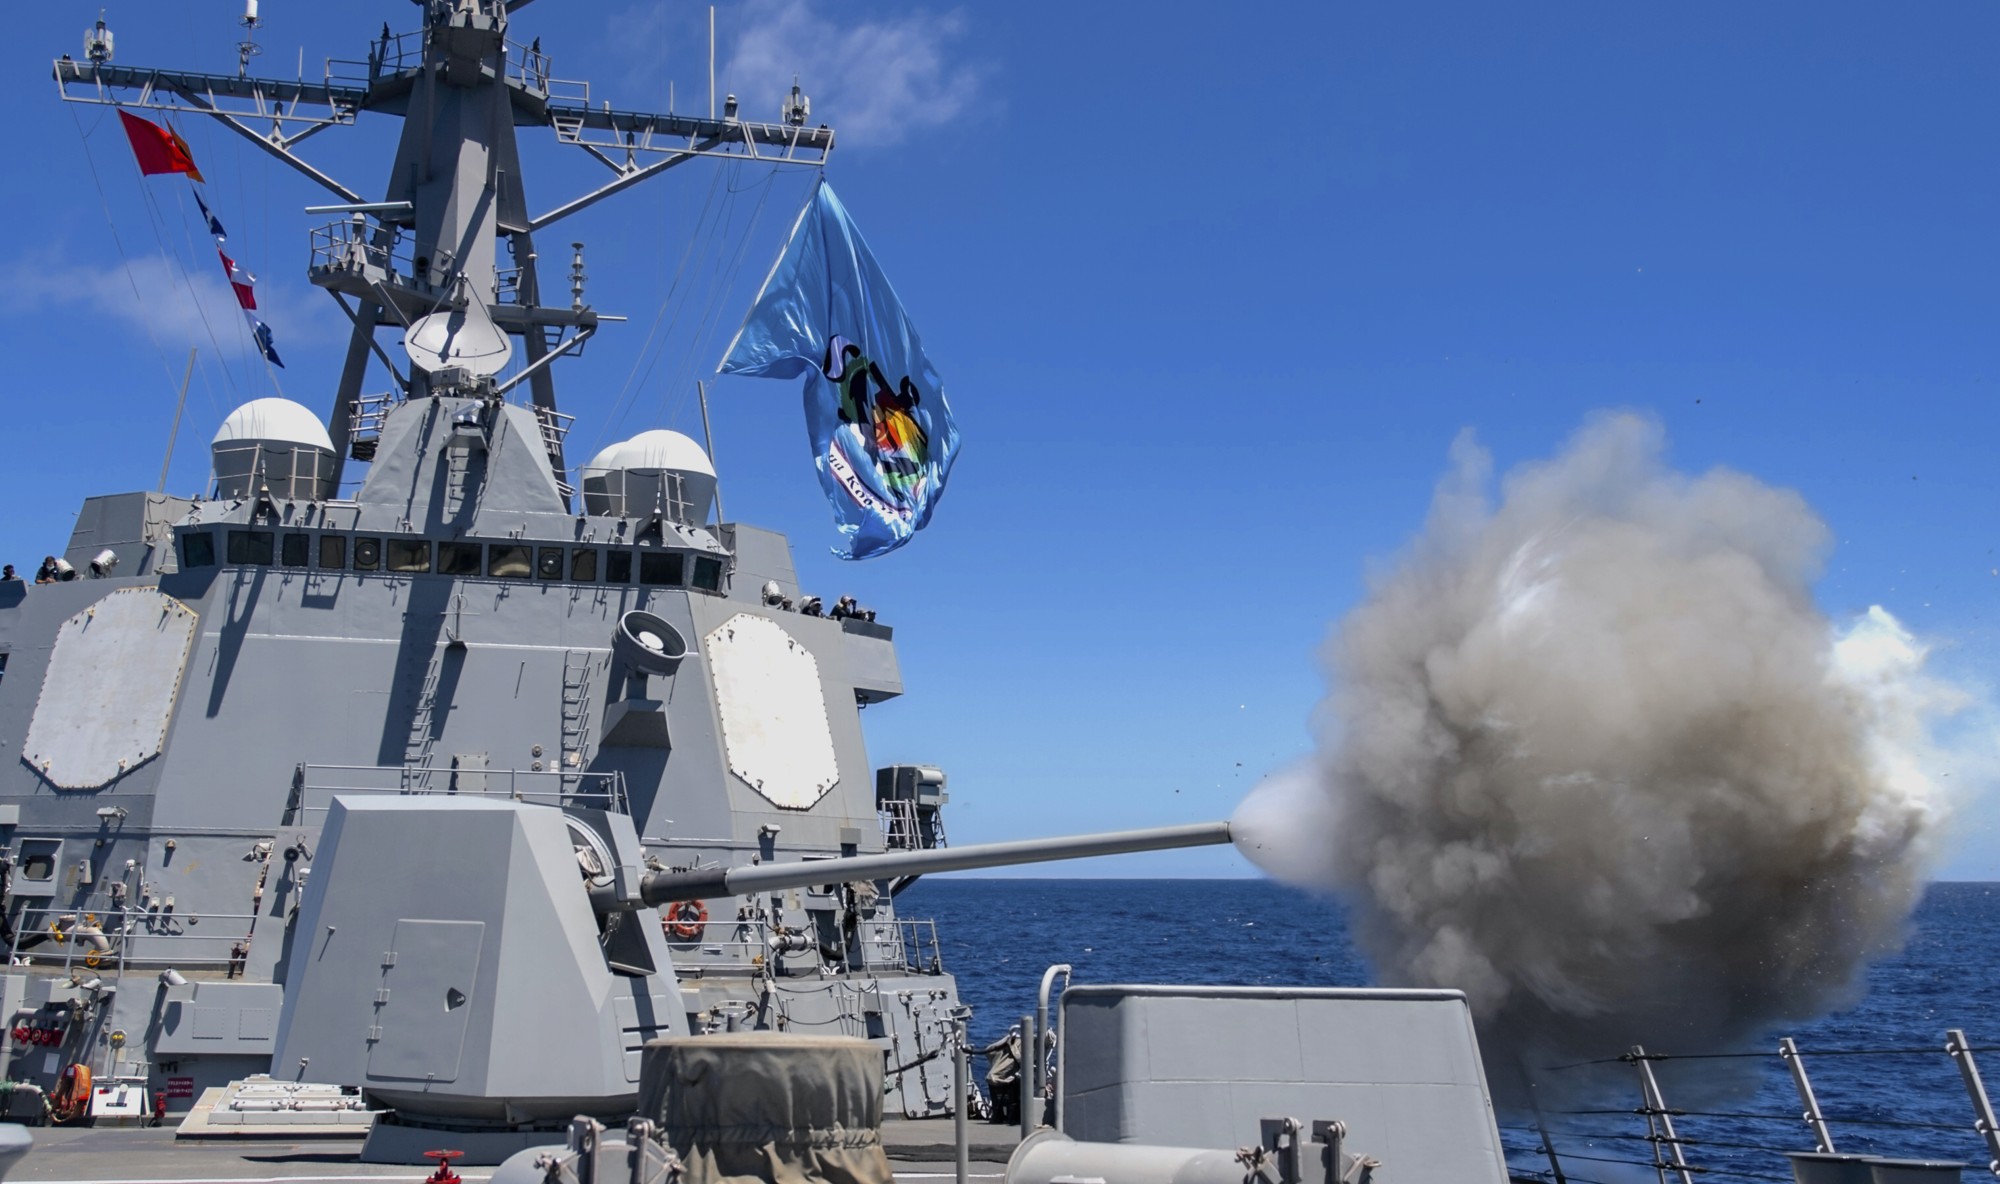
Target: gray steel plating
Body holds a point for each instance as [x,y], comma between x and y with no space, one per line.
[321,778]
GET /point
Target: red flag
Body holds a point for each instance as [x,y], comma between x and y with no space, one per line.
[158,149]
[242,281]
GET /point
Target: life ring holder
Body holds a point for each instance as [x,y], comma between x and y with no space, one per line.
[684,920]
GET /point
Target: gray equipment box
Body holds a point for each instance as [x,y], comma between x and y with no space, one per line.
[1190,1066]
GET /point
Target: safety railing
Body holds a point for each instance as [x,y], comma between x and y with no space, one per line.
[86,943]
[728,943]
[314,786]
[362,245]
[911,945]
[399,53]
[507,286]
[894,944]
[1682,1144]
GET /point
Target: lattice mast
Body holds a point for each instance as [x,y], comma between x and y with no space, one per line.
[424,261]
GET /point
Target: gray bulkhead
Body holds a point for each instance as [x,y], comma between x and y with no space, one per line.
[446,637]
[306,677]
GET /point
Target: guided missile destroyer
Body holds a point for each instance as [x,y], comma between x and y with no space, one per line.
[430,799]
[445,784]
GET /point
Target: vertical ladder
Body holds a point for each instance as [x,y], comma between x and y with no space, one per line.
[417,749]
[576,685]
[555,428]
[899,825]
[457,462]
[364,424]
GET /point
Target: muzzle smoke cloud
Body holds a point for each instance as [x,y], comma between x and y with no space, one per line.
[1592,756]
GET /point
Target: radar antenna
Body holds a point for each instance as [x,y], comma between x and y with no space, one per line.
[429,247]
[248,47]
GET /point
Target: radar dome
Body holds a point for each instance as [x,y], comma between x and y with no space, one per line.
[657,472]
[275,444]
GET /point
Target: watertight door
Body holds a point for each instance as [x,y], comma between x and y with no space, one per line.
[426,998]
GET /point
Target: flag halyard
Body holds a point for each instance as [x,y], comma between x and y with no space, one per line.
[161,150]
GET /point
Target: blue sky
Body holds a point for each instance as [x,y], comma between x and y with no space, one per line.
[1212,290]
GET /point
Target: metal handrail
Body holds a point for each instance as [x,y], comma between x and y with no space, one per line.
[400,53]
[611,796]
[905,947]
[348,244]
[121,928]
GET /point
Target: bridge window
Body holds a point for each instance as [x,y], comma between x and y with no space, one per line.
[508,561]
[657,567]
[458,559]
[549,563]
[197,549]
[333,551]
[250,546]
[409,554]
[295,549]
[367,554]
[583,565]
[708,573]
[618,567]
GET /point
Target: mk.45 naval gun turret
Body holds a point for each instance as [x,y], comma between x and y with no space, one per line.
[373,765]
[510,976]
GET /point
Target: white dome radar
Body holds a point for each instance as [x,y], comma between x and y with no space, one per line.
[273,443]
[657,472]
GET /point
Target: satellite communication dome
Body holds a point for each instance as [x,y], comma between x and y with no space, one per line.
[657,472]
[273,443]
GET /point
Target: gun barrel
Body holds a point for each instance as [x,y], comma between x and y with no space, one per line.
[660,888]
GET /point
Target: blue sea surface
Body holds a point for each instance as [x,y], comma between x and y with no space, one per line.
[1879,1069]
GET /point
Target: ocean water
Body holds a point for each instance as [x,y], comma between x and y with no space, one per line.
[1878,1068]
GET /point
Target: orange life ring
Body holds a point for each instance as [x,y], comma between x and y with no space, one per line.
[684,920]
[70,1100]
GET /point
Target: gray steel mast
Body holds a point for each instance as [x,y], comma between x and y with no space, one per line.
[430,244]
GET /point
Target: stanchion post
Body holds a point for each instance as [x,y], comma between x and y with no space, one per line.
[1031,1061]
[961,1085]
[1788,1051]
[1043,1085]
[1960,1049]
[1661,1121]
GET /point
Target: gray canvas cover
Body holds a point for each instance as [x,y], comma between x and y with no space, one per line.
[768,1106]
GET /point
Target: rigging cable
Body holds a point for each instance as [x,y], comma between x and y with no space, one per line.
[179,264]
[703,232]
[703,341]
[124,258]
[243,336]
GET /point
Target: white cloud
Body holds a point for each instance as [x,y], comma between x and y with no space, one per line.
[874,82]
[153,294]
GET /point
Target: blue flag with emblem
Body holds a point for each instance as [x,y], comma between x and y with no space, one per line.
[882,434]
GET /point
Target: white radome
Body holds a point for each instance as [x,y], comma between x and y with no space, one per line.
[649,471]
[659,450]
[274,419]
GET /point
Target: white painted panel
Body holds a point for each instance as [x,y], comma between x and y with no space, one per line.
[110,688]
[773,710]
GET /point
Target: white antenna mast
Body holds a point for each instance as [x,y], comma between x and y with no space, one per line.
[248,47]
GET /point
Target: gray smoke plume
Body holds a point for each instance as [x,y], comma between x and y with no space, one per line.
[1593,756]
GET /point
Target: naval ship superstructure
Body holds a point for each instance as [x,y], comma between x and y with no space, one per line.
[302,668]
